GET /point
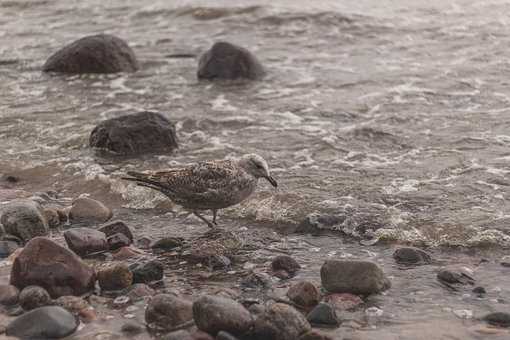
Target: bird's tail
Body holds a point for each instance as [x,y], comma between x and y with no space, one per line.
[143,179]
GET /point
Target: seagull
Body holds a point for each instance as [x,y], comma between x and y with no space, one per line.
[209,185]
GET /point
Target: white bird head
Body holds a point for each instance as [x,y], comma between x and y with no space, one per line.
[257,167]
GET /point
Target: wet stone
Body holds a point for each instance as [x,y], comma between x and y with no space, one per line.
[454,277]
[140,290]
[480,291]
[8,295]
[167,243]
[85,241]
[7,248]
[280,322]
[23,219]
[500,319]
[115,276]
[102,53]
[256,280]
[43,323]
[117,241]
[213,314]
[73,304]
[32,297]
[144,242]
[41,256]
[225,336]
[87,210]
[116,227]
[323,315]
[147,272]
[167,311]
[304,294]
[178,335]
[143,132]
[228,61]
[131,328]
[411,256]
[355,277]
[285,263]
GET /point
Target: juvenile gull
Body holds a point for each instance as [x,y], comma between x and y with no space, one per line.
[208,185]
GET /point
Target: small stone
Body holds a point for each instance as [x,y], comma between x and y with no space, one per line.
[167,311]
[140,290]
[32,297]
[343,301]
[315,335]
[213,314]
[115,276]
[280,321]
[87,210]
[500,319]
[8,295]
[77,306]
[168,243]
[286,263]
[131,328]
[7,247]
[23,219]
[43,323]
[355,277]
[178,335]
[304,294]
[455,277]
[117,241]
[144,242]
[115,227]
[480,291]
[85,241]
[411,256]
[222,335]
[52,217]
[147,272]
[323,315]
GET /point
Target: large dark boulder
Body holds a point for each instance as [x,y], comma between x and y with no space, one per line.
[102,53]
[134,134]
[58,270]
[228,61]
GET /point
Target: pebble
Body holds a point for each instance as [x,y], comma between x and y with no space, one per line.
[178,335]
[323,315]
[304,294]
[256,280]
[76,305]
[32,297]
[8,295]
[147,272]
[167,243]
[285,263]
[125,253]
[116,227]
[411,256]
[167,311]
[117,241]
[455,277]
[121,301]
[115,276]
[52,217]
[500,319]
[43,323]
[87,210]
[463,313]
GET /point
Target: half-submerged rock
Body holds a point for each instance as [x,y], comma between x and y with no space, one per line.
[50,322]
[228,61]
[44,263]
[134,134]
[102,53]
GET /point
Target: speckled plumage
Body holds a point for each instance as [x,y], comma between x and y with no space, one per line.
[208,185]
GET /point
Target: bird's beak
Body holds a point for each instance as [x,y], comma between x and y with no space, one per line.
[272,181]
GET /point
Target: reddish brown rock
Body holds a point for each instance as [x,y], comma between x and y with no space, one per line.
[304,294]
[168,311]
[87,210]
[115,276]
[85,241]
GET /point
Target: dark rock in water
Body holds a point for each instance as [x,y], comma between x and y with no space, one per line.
[7,248]
[228,61]
[44,263]
[280,322]
[143,132]
[87,210]
[50,322]
[102,53]
[454,277]
[323,315]
[131,328]
[32,297]
[500,319]
[140,290]
[85,241]
[117,241]
[213,314]
[8,295]
[115,227]
[355,277]
[178,335]
[167,311]
[147,272]
[314,335]
[304,294]
[480,291]
[23,219]
[225,336]
[313,223]
[168,243]
[286,263]
[115,276]
[411,255]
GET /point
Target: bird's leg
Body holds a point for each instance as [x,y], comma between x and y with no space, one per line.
[214,213]
[203,219]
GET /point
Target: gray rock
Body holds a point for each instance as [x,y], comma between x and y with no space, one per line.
[228,61]
[44,263]
[213,314]
[500,319]
[115,227]
[147,272]
[167,311]
[117,241]
[280,322]
[87,210]
[286,263]
[85,241]
[143,132]
[8,295]
[355,277]
[411,256]
[115,276]
[24,219]
[32,297]
[167,243]
[304,294]
[323,315]
[102,53]
[50,322]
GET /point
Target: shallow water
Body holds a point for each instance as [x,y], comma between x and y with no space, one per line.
[391,113]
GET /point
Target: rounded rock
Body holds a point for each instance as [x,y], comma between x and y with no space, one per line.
[323,315]
[147,272]
[280,321]
[286,263]
[32,297]
[116,227]
[8,295]
[115,277]
[500,319]
[43,323]
[85,241]
[411,256]
[304,294]
[168,311]
[117,241]
[87,210]
[23,219]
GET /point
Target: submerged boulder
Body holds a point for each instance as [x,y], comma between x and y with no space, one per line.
[102,53]
[134,134]
[44,263]
[24,219]
[228,61]
[50,322]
